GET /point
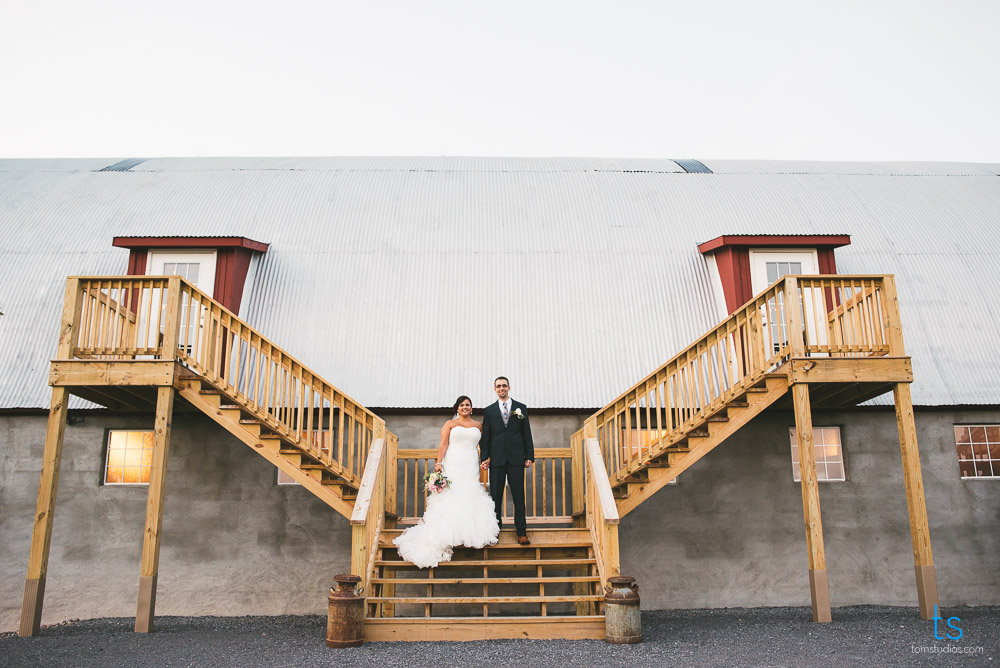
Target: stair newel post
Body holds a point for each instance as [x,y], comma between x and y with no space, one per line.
[577,477]
[41,536]
[793,318]
[391,475]
[369,510]
[172,319]
[923,559]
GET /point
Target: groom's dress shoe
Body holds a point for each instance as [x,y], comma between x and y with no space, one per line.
[523,540]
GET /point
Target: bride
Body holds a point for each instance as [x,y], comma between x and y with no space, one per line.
[461,514]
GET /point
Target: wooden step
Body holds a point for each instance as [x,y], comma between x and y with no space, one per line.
[526,580]
[493,563]
[572,627]
[483,600]
[540,538]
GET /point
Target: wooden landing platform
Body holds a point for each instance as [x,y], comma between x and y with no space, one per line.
[589,627]
[840,382]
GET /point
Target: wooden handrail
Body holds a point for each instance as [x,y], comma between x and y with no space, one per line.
[136,317]
[369,513]
[795,316]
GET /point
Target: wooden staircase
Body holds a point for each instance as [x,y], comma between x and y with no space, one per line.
[549,589]
[132,343]
[661,464]
[281,448]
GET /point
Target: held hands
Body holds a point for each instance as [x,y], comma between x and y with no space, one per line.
[485,465]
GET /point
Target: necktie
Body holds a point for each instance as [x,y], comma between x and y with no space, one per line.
[506,412]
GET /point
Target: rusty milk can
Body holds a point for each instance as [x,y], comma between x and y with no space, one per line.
[621,611]
[347,613]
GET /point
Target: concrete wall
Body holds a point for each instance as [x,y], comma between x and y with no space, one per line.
[729,534]
[234,542]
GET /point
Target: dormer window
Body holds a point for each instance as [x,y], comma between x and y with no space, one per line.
[218,266]
[744,265]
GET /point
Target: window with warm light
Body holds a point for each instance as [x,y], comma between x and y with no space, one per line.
[829,454]
[129,459]
[640,442]
[978,450]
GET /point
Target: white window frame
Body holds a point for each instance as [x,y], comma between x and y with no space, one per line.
[156,258]
[285,479]
[987,441]
[759,257]
[107,458]
[820,457]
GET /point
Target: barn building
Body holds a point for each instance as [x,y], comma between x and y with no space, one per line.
[676,327]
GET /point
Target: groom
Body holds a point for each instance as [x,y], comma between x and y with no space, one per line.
[506,450]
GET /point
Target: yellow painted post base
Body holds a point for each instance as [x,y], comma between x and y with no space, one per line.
[927,594]
[819,589]
[147,604]
[31,607]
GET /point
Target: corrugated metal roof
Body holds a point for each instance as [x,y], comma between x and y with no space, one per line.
[408,281]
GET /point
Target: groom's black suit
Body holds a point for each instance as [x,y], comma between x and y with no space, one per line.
[507,446]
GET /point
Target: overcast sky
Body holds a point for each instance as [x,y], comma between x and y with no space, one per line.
[835,80]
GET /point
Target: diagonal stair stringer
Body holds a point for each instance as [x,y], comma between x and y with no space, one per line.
[700,444]
[268,448]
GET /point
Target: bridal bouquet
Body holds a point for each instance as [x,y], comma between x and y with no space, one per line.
[436,482]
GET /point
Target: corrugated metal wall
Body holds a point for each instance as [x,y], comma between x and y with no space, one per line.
[408,281]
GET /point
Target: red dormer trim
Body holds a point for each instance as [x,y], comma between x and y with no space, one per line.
[732,256]
[232,260]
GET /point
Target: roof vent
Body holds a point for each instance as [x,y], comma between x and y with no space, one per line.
[693,167]
[124,165]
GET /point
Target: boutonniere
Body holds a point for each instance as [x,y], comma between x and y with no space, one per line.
[518,414]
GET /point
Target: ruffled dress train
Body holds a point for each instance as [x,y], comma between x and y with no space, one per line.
[463,514]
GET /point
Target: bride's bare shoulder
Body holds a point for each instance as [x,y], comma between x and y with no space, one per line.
[477,425]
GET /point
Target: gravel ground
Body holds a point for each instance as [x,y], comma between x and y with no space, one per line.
[863,635]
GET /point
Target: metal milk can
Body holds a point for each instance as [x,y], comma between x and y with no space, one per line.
[346,614]
[621,611]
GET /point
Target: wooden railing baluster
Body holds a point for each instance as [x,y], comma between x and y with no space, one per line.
[845,315]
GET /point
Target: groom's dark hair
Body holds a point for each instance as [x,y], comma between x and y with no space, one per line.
[500,378]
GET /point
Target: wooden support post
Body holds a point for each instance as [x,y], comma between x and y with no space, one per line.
[923,560]
[41,536]
[818,587]
[146,606]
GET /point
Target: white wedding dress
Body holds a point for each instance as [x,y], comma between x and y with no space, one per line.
[463,514]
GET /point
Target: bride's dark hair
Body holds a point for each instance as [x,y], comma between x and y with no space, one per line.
[458,402]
